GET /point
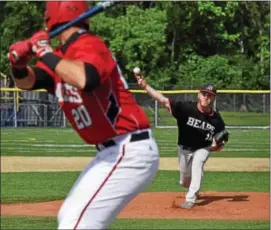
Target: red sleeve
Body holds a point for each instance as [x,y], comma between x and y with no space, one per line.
[95,52]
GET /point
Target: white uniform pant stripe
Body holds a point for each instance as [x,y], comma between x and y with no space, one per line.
[95,194]
[85,208]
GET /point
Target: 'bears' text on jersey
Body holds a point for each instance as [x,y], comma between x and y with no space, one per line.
[195,128]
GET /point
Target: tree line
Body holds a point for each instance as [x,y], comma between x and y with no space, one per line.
[178,45]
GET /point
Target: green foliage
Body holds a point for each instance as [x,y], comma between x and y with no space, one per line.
[174,43]
[20,20]
[216,15]
[226,72]
[136,38]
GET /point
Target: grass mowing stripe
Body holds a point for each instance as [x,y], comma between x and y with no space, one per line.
[171,144]
[216,181]
[91,152]
[41,186]
[65,142]
[187,224]
[26,222]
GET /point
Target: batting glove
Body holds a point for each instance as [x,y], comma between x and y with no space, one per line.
[20,54]
[40,44]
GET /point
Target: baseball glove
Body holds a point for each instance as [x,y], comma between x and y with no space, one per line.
[219,140]
[221,137]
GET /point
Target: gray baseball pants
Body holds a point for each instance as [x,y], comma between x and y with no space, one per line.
[191,165]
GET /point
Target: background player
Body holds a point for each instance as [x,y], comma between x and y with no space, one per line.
[91,91]
[197,124]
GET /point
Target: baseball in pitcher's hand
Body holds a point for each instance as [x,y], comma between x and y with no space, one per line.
[20,54]
[140,81]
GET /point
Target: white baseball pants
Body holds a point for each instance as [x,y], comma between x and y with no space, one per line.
[115,176]
[191,165]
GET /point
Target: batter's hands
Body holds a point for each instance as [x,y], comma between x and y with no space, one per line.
[141,81]
[20,54]
[40,43]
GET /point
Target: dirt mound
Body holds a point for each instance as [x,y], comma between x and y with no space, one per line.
[165,205]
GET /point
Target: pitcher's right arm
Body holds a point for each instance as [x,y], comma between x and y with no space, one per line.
[152,92]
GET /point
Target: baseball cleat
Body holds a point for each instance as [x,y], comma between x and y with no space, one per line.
[187,205]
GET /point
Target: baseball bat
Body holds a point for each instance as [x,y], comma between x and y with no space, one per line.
[91,12]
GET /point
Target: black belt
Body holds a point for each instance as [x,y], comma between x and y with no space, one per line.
[134,137]
[192,149]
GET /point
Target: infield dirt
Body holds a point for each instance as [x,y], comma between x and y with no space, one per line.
[165,205]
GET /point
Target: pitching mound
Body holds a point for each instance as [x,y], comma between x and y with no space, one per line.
[164,205]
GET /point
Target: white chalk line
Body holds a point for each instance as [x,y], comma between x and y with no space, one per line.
[164,143]
[88,148]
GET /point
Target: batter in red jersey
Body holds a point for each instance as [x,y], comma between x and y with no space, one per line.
[92,92]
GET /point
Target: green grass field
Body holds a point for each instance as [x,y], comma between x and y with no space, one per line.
[65,142]
[46,186]
[50,223]
[246,119]
[49,186]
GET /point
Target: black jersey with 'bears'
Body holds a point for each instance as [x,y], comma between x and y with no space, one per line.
[195,129]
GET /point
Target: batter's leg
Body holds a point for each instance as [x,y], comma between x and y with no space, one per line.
[200,158]
[108,184]
[185,164]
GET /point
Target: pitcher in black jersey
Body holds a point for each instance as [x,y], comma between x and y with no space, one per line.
[197,124]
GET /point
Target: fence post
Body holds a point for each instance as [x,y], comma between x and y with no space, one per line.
[15,108]
[234,102]
[264,108]
[215,102]
[155,113]
[64,120]
[45,123]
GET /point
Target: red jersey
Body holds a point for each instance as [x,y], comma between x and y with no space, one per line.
[107,111]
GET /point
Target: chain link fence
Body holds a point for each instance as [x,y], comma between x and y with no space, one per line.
[30,109]
[239,110]
[40,109]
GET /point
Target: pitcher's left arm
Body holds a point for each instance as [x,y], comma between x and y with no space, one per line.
[221,136]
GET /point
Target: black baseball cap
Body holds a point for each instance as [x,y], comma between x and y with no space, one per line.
[209,88]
